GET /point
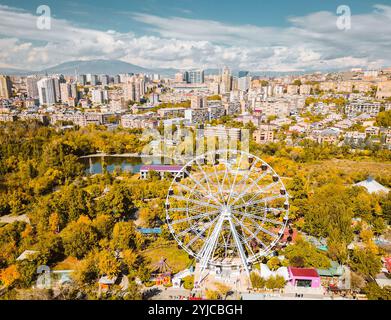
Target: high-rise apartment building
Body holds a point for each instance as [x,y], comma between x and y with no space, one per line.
[31,86]
[47,91]
[117,79]
[195,76]
[97,96]
[226,80]
[5,87]
[104,79]
[94,79]
[179,77]
[244,83]
[82,79]
[198,102]
[68,90]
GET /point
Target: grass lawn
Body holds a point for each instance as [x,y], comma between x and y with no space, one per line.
[177,259]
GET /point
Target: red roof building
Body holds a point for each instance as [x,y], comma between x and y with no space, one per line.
[304,277]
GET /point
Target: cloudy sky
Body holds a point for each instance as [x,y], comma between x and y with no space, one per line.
[254,35]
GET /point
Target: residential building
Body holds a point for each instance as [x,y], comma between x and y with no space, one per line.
[82,79]
[263,136]
[226,80]
[356,107]
[97,96]
[198,102]
[383,90]
[94,79]
[222,133]
[5,87]
[32,87]
[104,79]
[292,89]
[47,91]
[200,115]
[194,76]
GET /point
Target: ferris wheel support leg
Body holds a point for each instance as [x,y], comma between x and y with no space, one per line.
[239,246]
[209,247]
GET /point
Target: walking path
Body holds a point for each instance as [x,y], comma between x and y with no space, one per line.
[12,218]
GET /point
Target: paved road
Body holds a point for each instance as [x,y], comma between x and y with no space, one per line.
[163,293]
[11,218]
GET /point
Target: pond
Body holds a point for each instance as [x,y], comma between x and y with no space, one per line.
[94,165]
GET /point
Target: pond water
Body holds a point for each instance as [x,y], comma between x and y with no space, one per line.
[96,165]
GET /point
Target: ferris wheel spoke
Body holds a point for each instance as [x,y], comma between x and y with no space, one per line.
[259,209]
[253,235]
[258,201]
[209,244]
[242,225]
[193,191]
[243,239]
[217,184]
[207,180]
[193,228]
[223,181]
[249,215]
[199,234]
[253,183]
[270,233]
[236,174]
[209,194]
[246,175]
[261,190]
[205,204]
[198,216]
[242,254]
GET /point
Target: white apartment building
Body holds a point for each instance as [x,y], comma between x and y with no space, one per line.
[46,91]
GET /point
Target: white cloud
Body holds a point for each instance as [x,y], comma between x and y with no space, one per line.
[310,42]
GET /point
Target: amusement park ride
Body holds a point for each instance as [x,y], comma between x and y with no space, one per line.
[230,210]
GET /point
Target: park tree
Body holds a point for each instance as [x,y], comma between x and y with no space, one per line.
[108,263]
[275,282]
[212,294]
[79,237]
[124,235]
[222,289]
[274,263]
[104,224]
[130,258]
[383,119]
[366,262]
[10,275]
[386,207]
[329,210]
[87,270]
[374,292]
[337,249]
[305,254]
[117,202]
[256,280]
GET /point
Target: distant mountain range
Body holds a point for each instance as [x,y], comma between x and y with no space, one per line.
[99,66]
[113,67]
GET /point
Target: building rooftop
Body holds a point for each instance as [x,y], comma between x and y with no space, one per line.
[159,167]
[303,272]
[372,186]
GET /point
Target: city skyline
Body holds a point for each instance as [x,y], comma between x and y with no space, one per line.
[285,38]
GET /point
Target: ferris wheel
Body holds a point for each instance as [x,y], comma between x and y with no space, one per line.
[227,208]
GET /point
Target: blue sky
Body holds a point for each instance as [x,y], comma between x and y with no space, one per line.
[251,34]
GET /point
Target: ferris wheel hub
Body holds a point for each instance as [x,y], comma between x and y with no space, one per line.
[226,211]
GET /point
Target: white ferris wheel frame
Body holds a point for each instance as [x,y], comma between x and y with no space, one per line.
[204,255]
